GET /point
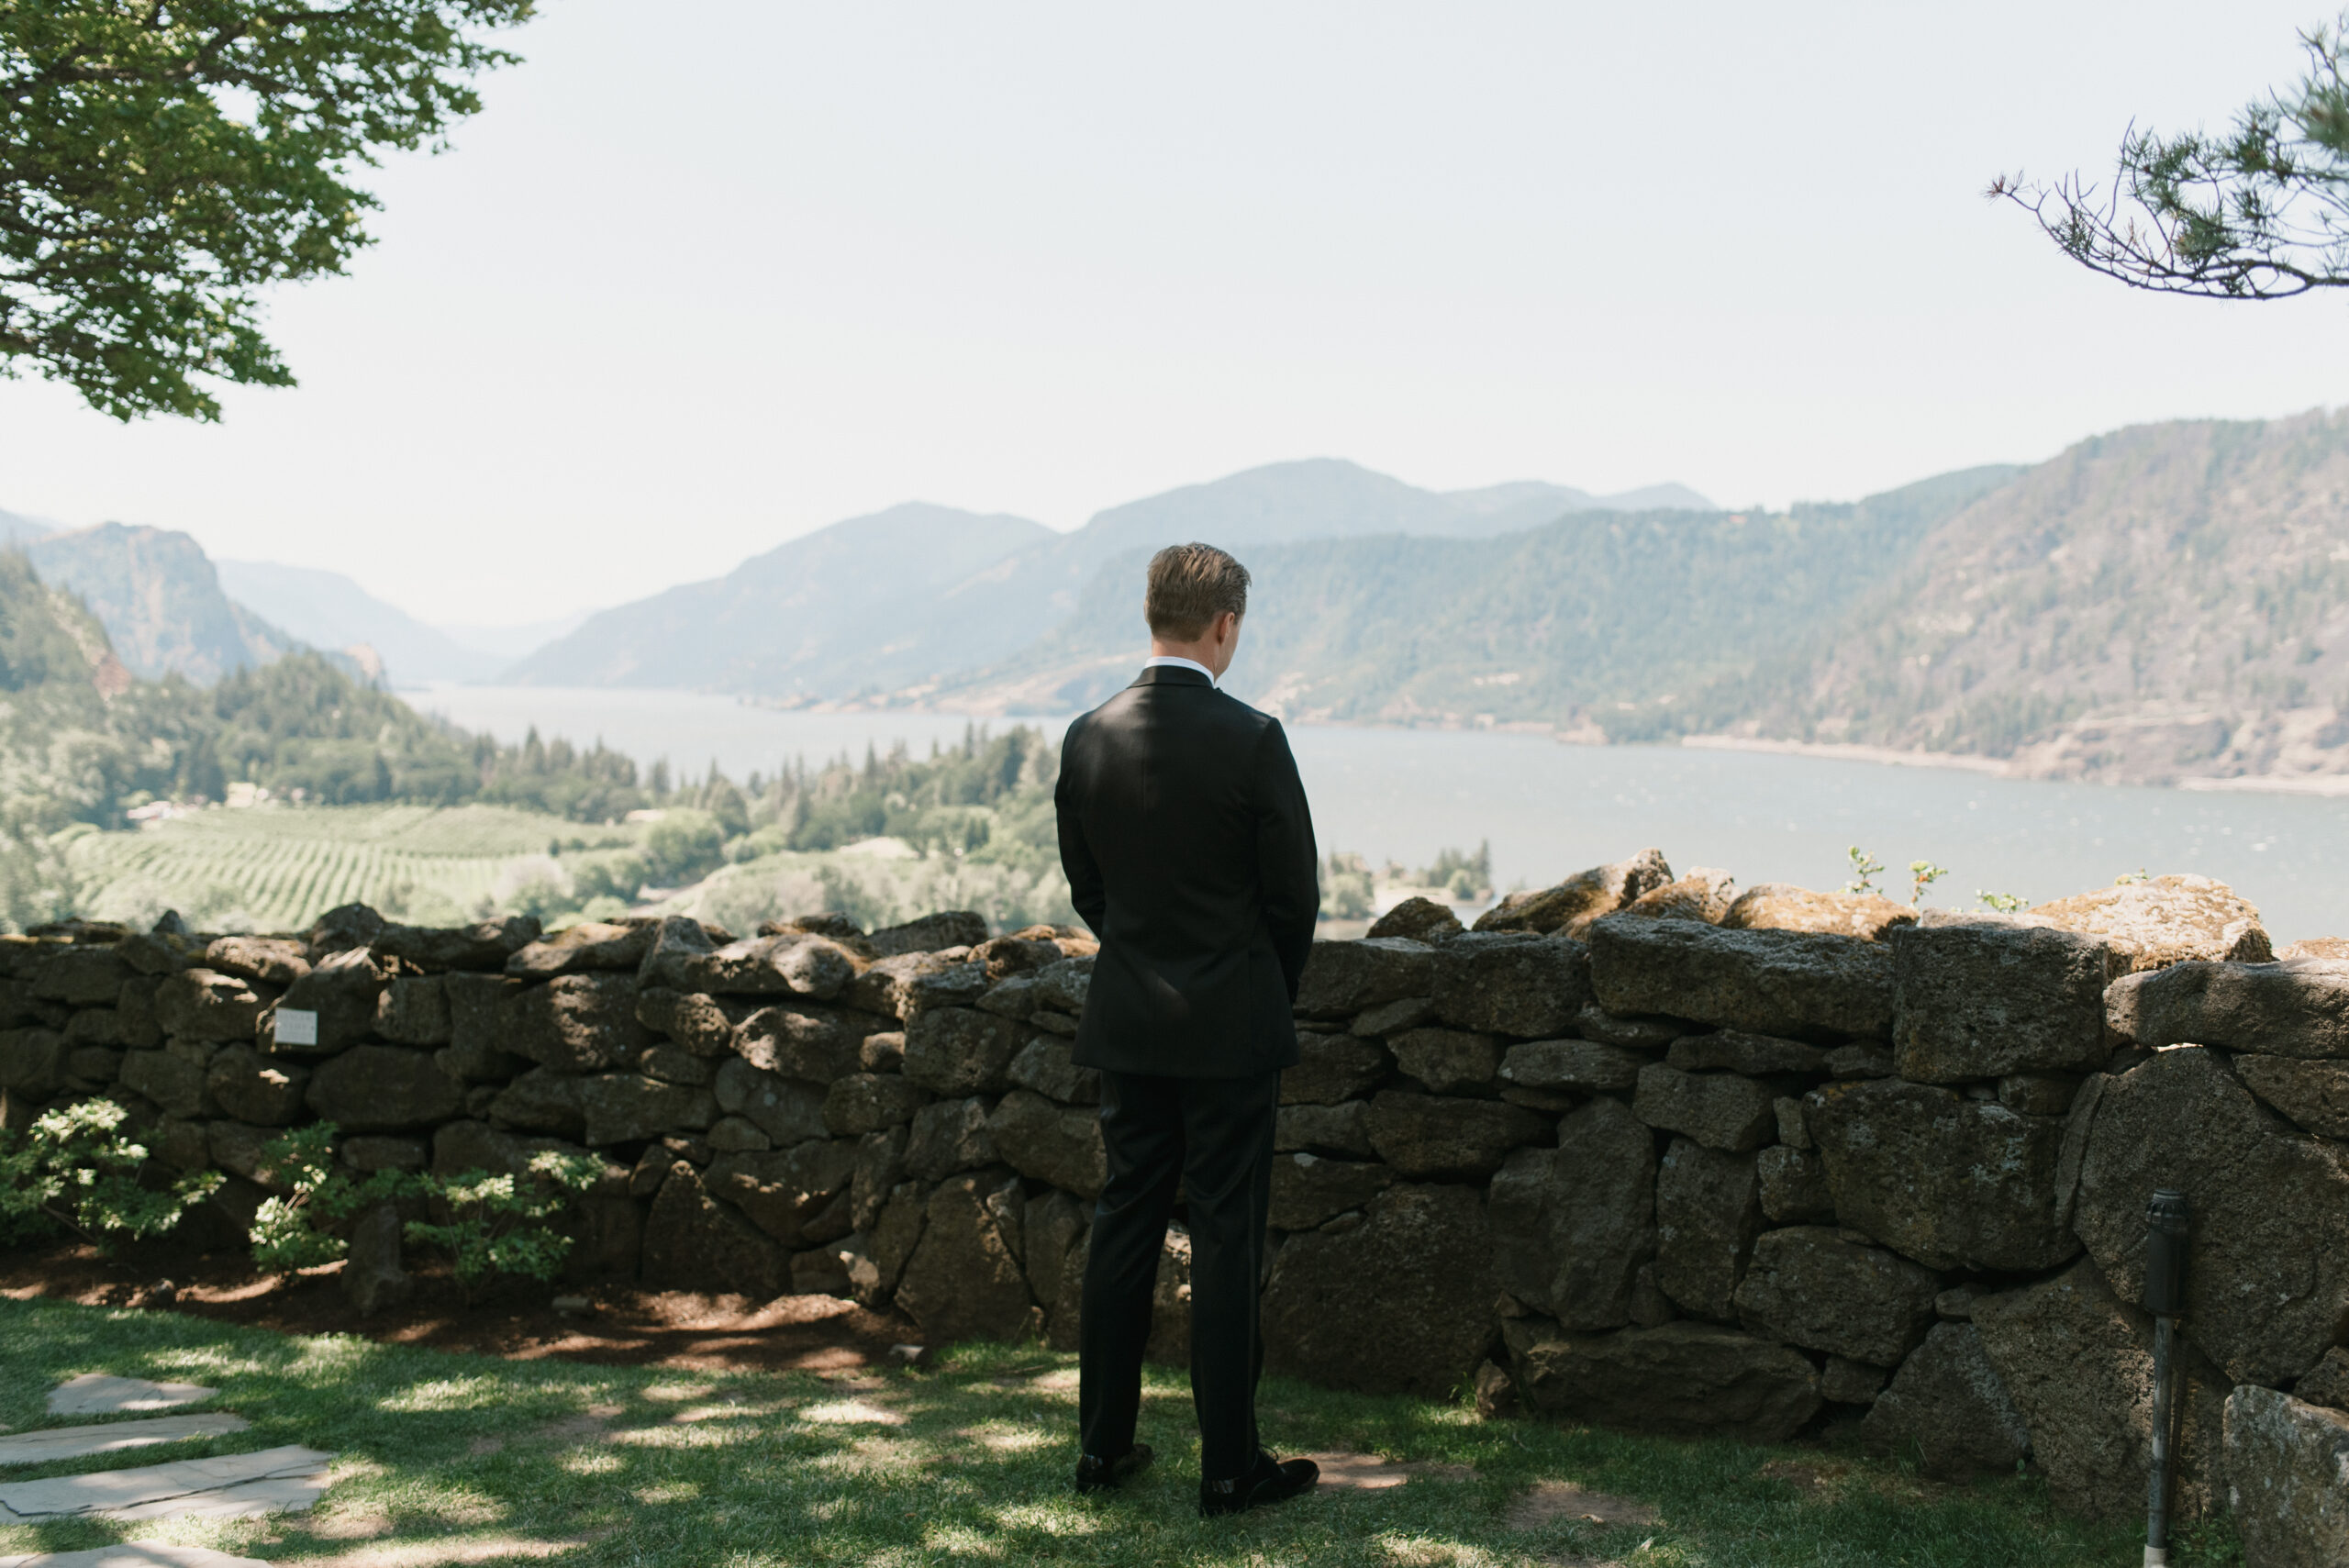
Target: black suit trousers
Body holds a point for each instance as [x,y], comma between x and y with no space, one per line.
[1212,1137]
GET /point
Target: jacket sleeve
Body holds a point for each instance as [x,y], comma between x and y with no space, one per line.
[1085,889]
[1287,864]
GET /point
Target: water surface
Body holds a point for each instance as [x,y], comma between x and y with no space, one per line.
[1547,809]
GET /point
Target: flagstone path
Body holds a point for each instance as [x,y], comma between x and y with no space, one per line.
[234,1483]
[97,1394]
[288,1479]
[77,1442]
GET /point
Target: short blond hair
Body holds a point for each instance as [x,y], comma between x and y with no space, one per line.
[1189,586]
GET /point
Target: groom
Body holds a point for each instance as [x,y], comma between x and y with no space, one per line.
[1189,851]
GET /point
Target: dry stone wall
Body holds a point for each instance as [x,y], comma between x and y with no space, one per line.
[1667,1156]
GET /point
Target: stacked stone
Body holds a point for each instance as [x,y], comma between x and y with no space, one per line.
[737,1091]
[1908,1168]
[1670,1159]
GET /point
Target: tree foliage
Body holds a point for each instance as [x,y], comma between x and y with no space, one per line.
[2260,212]
[165,160]
[990,797]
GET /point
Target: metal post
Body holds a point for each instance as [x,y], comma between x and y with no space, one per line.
[2165,1243]
[2157,1474]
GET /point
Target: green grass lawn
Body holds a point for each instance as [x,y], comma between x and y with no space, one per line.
[450,1459]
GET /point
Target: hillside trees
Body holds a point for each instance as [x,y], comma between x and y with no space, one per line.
[974,822]
[990,792]
[2260,212]
[161,161]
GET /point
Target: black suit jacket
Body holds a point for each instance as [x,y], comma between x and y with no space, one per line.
[1189,851]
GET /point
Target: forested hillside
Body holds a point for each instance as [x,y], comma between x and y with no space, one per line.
[83,741]
[2165,601]
[344,792]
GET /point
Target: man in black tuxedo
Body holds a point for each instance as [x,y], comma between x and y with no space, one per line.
[1189,851]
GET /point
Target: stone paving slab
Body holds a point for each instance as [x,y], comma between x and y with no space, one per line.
[134,1554]
[99,1394]
[279,1495]
[130,1493]
[74,1442]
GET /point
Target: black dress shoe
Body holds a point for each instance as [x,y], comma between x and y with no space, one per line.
[1093,1475]
[1272,1480]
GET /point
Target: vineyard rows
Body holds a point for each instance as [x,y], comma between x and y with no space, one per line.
[279,869]
[425,830]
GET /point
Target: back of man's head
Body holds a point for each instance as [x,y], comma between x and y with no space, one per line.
[1190,585]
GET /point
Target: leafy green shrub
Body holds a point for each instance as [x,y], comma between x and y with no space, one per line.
[495,1225]
[499,1225]
[74,1167]
[285,1234]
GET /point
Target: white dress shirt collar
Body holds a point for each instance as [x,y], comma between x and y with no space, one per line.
[1170,660]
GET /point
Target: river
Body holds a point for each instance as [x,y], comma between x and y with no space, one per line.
[1547,809]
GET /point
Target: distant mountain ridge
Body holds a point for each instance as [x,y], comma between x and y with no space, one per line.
[822,613]
[955,592]
[327,609]
[18,529]
[1596,611]
[1320,498]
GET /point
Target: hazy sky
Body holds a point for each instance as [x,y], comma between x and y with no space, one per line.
[707,274]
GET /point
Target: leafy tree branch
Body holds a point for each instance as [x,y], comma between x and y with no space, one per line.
[161,161]
[2261,211]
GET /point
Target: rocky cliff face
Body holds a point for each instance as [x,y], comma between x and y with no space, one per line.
[160,599]
[1685,1164]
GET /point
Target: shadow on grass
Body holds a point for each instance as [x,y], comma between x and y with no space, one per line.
[448,1458]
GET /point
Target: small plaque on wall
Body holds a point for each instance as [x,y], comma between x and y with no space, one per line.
[296,1026]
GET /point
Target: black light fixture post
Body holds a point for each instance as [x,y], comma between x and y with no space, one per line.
[2165,1233]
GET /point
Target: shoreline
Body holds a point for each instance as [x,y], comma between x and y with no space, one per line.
[2306,785]
[1886,756]
[2331,785]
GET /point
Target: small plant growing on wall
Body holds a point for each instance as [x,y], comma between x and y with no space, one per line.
[285,1234]
[1864,869]
[1923,874]
[2004,903]
[500,1224]
[75,1167]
